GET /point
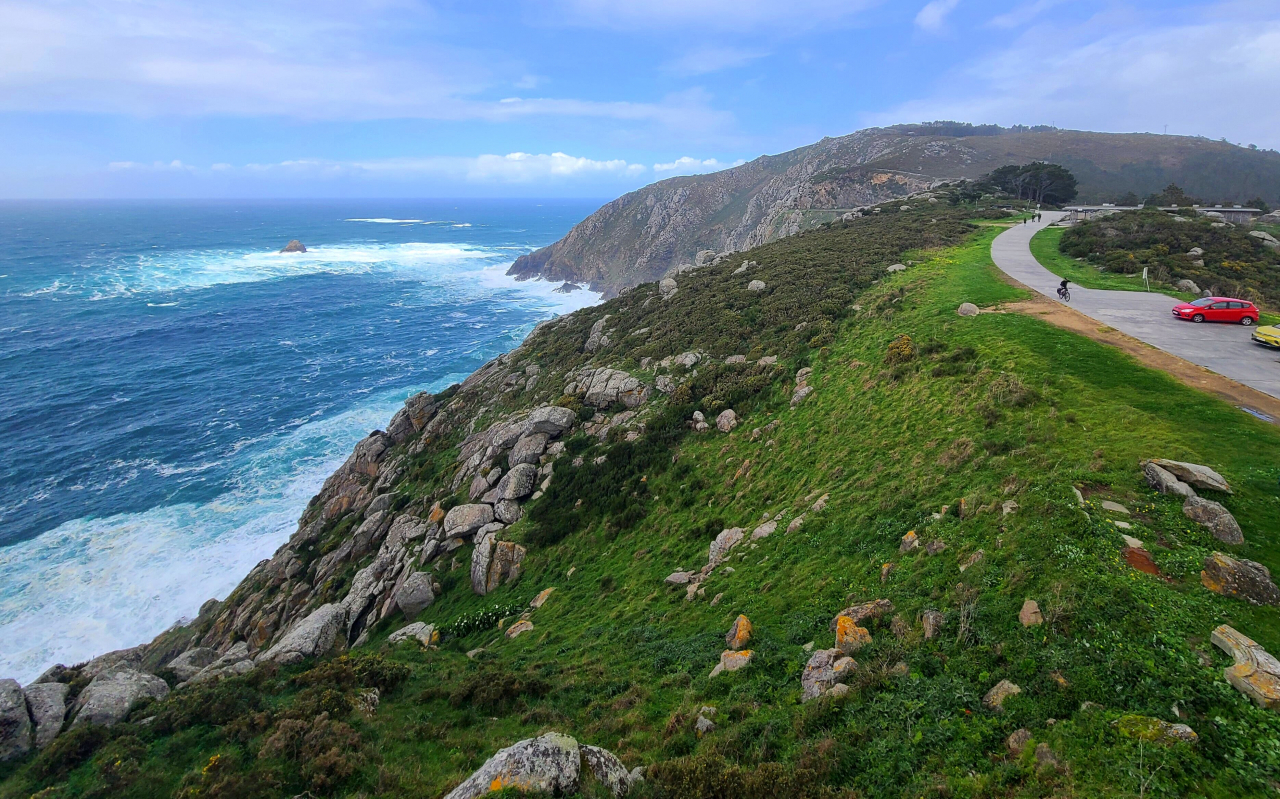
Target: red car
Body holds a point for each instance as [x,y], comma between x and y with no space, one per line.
[1217,309]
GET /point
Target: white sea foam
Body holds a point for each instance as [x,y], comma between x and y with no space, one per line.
[93,585]
[382,221]
[200,269]
[96,584]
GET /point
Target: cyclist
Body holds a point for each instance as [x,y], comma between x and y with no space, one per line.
[1062,290]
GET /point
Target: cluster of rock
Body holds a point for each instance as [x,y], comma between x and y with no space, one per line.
[553,764]
[802,388]
[719,549]
[600,387]
[31,717]
[827,669]
[1177,478]
[736,656]
[725,422]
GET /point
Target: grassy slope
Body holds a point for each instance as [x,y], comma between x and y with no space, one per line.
[1044,246]
[618,659]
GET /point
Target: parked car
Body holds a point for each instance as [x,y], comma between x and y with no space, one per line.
[1217,309]
[1268,336]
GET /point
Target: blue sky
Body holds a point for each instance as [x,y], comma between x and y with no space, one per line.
[589,98]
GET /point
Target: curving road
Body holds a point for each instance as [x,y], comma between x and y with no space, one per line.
[1225,349]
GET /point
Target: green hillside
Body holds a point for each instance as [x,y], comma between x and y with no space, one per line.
[969,433]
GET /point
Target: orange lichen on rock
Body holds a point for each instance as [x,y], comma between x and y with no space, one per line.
[739,634]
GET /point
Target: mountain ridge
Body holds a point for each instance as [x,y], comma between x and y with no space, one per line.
[652,231]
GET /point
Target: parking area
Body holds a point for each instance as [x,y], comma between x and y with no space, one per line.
[1223,348]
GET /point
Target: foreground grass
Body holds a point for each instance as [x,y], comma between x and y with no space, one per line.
[993,408]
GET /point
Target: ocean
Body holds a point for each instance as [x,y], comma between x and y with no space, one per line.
[173,389]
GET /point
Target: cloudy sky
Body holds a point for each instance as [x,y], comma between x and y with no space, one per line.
[589,98]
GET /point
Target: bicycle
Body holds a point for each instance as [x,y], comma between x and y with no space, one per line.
[1064,294]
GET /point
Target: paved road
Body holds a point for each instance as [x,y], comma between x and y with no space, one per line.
[1222,348]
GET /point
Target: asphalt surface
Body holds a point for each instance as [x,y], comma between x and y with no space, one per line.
[1222,348]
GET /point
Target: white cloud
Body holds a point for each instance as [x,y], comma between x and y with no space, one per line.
[314,61]
[1198,76]
[932,17]
[693,166]
[155,166]
[511,168]
[704,60]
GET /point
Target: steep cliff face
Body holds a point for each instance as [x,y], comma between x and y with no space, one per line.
[643,235]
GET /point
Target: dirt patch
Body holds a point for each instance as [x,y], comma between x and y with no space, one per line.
[1187,373]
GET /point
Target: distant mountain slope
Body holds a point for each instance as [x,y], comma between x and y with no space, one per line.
[640,236]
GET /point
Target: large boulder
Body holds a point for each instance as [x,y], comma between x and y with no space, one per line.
[192,662]
[597,339]
[602,387]
[507,511]
[515,484]
[826,669]
[423,633]
[294,246]
[313,636]
[550,419]
[727,540]
[415,594]
[463,520]
[1256,673]
[995,698]
[504,564]
[1195,474]
[234,662]
[48,705]
[727,420]
[550,763]
[1165,481]
[607,769]
[15,721]
[108,698]
[1218,519]
[667,287]
[528,449]
[1241,578]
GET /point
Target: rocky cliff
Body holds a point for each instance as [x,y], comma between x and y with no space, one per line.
[643,235]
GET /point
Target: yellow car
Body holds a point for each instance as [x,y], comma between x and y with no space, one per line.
[1268,336]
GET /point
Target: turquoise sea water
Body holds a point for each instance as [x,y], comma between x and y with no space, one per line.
[173,389]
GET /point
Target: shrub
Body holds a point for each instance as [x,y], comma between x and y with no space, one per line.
[475,621]
[328,751]
[901,350]
[69,750]
[709,777]
[357,670]
[495,689]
